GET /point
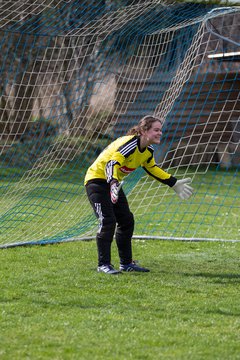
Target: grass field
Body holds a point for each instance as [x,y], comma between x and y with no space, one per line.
[54,305]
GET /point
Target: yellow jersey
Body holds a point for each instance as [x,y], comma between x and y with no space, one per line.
[122,157]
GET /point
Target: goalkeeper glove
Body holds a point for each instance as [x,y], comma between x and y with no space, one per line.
[182,188]
[115,187]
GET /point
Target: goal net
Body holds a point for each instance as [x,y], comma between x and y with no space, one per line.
[77,74]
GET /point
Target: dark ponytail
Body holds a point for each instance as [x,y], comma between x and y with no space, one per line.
[143,125]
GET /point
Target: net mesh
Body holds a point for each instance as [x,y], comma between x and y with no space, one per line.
[76,75]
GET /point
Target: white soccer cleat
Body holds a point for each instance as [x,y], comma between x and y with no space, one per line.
[108,269]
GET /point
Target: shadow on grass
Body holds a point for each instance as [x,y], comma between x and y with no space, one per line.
[223,312]
[219,277]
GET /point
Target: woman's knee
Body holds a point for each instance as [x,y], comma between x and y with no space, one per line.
[126,221]
[108,224]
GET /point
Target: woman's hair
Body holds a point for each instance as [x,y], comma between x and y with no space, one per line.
[143,125]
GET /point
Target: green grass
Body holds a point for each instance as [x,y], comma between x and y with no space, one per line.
[54,305]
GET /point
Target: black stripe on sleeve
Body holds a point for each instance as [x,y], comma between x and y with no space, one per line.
[109,169]
[170,182]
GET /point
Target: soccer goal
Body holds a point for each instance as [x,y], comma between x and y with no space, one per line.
[77,74]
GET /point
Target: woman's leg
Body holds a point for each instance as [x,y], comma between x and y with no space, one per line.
[99,196]
[125,227]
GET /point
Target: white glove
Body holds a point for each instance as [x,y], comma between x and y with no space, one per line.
[115,187]
[182,188]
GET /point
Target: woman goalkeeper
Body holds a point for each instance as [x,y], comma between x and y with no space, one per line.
[103,185]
